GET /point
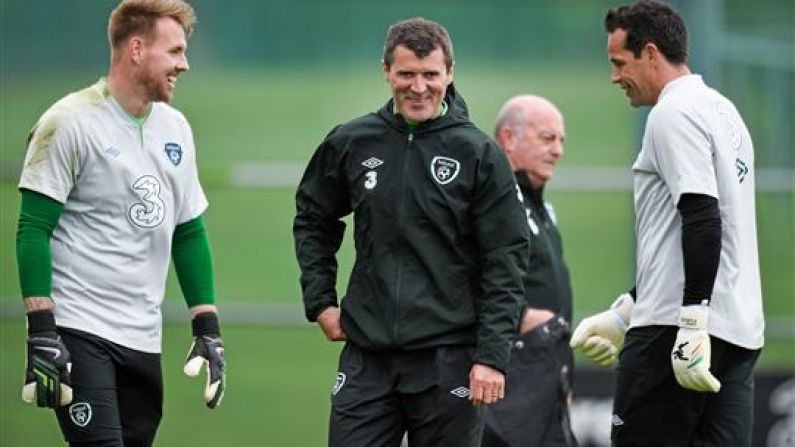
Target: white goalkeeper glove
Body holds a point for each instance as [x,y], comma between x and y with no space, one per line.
[601,336]
[47,375]
[691,353]
[208,350]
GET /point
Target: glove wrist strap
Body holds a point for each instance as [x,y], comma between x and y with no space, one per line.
[694,317]
[206,323]
[41,323]
[622,307]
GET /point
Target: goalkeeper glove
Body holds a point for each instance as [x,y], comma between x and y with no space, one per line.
[47,379]
[601,336]
[208,350]
[690,356]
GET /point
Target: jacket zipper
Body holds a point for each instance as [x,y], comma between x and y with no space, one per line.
[401,219]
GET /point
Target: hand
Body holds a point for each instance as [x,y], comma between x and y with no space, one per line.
[691,353]
[486,385]
[47,375]
[601,336]
[329,322]
[533,318]
[208,350]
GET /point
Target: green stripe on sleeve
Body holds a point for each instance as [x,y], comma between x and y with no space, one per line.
[38,217]
[190,252]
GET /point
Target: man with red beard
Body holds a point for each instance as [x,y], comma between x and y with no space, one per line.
[110,191]
[433,301]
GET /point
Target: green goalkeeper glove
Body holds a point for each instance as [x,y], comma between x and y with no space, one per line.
[692,351]
[47,375]
[208,350]
[601,336]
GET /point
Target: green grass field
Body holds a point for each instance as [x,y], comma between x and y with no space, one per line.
[279,377]
[278,391]
[283,114]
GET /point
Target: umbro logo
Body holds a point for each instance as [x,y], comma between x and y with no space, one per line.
[460,392]
[372,163]
[742,169]
[112,151]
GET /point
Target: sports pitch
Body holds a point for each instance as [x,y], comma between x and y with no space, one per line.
[279,376]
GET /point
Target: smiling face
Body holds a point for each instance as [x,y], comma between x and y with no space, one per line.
[418,84]
[163,58]
[635,75]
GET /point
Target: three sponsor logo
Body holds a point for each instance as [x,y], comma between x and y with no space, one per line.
[150,210]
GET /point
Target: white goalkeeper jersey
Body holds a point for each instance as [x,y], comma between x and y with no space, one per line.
[125,185]
[696,142]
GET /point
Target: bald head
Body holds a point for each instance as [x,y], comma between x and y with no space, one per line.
[531,131]
[525,107]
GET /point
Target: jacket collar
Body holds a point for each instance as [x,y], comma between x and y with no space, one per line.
[530,193]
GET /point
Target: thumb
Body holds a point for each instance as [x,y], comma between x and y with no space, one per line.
[581,333]
[193,366]
[29,392]
[211,389]
[711,384]
[66,395]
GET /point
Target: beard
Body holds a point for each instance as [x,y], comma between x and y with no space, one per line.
[157,89]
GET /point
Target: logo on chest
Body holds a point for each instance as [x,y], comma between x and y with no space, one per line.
[174,153]
[371,177]
[149,210]
[444,170]
[372,163]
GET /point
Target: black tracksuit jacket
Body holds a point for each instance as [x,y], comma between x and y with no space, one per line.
[548,285]
[440,235]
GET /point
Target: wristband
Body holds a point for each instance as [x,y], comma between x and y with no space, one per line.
[206,323]
[41,323]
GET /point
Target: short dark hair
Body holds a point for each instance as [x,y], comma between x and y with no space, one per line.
[649,21]
[420,36]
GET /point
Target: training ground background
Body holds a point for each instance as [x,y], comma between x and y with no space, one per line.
[269,79]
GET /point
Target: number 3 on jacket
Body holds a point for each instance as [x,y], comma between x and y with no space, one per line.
[371,179]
